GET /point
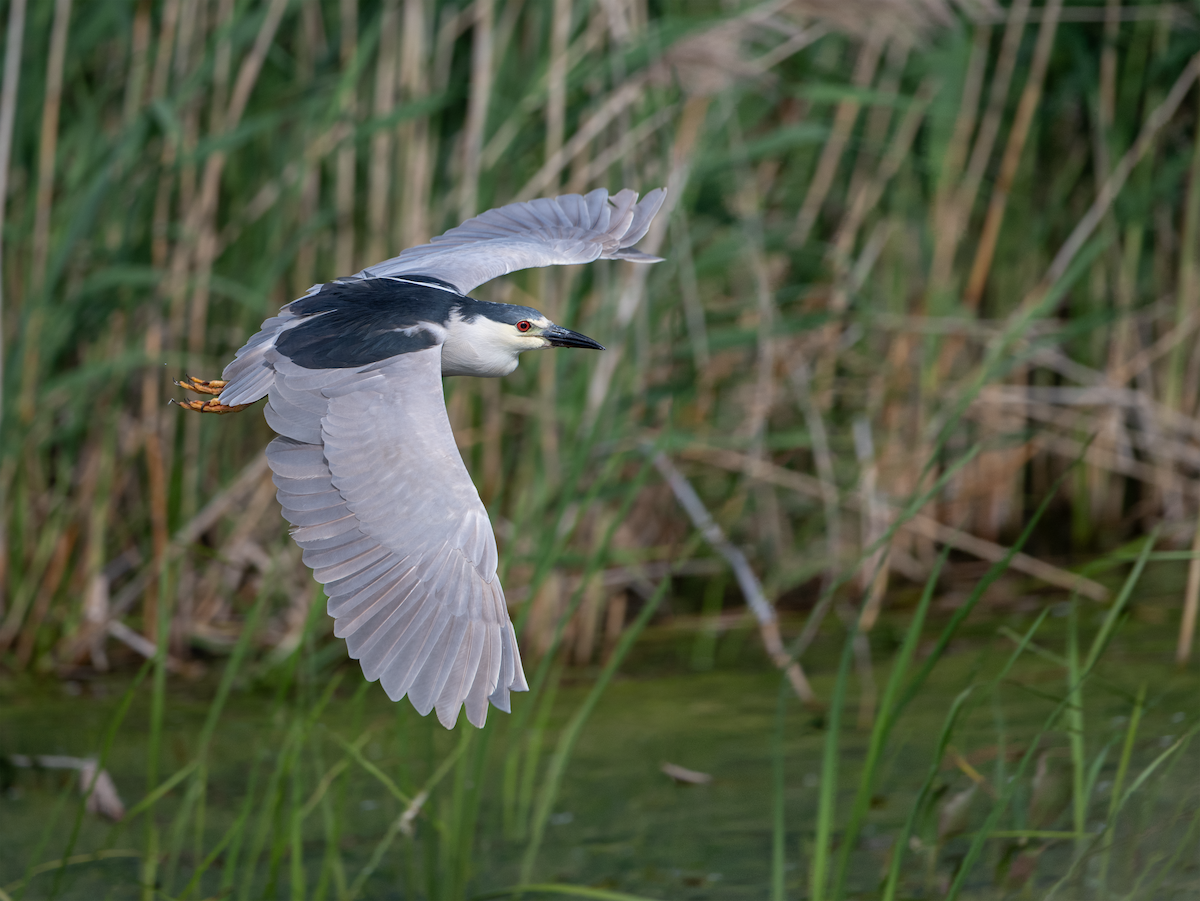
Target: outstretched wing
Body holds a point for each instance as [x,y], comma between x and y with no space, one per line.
[568,229]
[390,522]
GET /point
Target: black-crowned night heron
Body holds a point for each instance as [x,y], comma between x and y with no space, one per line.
[368,472]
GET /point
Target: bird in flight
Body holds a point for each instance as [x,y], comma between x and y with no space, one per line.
[366,465]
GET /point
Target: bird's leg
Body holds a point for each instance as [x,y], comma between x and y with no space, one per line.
[205,386]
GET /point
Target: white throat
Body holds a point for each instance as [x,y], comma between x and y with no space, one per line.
[483,347]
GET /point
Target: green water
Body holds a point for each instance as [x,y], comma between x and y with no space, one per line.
[619,823]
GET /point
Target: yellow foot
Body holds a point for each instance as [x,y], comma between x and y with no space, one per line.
[208,406]
[201,386]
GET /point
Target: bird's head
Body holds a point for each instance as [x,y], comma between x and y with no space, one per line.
[485,339]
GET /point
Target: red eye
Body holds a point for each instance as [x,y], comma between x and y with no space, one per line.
[524,325]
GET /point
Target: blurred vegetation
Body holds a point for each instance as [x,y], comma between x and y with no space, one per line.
[931,286]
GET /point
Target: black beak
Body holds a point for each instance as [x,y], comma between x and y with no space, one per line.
[564,337]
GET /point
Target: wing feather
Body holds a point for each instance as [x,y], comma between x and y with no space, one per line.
[387,517]
[372,482]
[545,232]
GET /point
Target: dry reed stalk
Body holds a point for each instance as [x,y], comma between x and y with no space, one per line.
[222,64]
[763,610]
[139,60]
[1107,494]
[873,571]
[41,554]
[691,121]
[1180,392]
[693,310]
[823,458]
[946,213]
[994,509]
[379,178]
[1031,97]
[13,45]
[590,610]
[879,117]
[923,525]
[53,578]
[479,100]
[44,197]
[1191,604]
[591,38]
[343,254]
[551,283]
[415,143]
[843,124]
[200,227]
[152,427]
[189,45]
[749,207]
[311,48]
[954,227]
[556,97]
[871,190]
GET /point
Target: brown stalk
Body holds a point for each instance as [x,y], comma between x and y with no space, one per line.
[691,121]
[156,475]
[1027,106]
[556,98]
[1188,312]
[40,242]
[879,118]
[189,43]
[343,255]
[989,126]
[55,571]
[1181,392]
[553,283]
[13,45]
[200,228]
[139,59]
[1191,603]
[874,570]
[379,190]
[945,207]
[310,43]
[839,134]
[823,458]
[40,557]
[960,206]
[477,106]
[693,308]
[870,192]
[415,145]
[772,525]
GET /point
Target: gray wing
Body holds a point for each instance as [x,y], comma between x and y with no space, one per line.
[546,232]
[389,520]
